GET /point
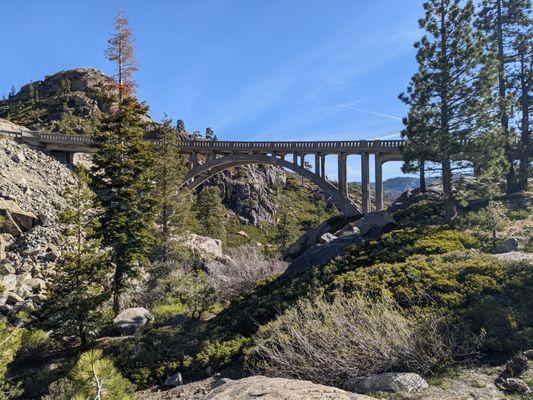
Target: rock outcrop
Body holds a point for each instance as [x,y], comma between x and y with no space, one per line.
[31,194]
[67,102]
[249,191]
[254,387]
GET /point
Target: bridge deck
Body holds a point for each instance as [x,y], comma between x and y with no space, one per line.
[83,144]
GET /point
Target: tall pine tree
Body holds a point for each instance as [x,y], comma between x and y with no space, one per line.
[506,23]
[448,94]
[79,284]
[211,213]
[122,171]
[173,212]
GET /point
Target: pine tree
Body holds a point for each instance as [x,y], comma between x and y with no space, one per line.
[122,175]
[120,50]
[285,232]
[209,134]
[96,377]
[211,213]
[12,92]
[169,171]
[79,283]
[448,94]
[504,23]
[122,172]
[180,125]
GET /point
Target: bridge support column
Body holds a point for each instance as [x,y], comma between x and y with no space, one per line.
[295,158]
[342,174]
[323,166]
[317,164]
[302,160]
[365,184]
[193,160]
[379,182]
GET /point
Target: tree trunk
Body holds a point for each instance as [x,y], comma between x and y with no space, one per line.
[510,176]
[118,281]
[450,210]
[524,128]
[422,165]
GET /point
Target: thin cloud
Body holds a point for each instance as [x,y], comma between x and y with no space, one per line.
[349,107]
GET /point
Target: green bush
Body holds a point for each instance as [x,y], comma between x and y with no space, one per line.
[421,213]
[473,289]
[10,343]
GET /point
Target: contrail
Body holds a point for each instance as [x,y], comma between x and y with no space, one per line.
[367,111]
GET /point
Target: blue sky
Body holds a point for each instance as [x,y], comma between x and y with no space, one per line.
[250,69]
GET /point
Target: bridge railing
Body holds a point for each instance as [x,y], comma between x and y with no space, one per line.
[199,145]
[292,145]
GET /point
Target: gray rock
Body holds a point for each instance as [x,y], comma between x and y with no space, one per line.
[374,222]
[327,237]
[261,387]
[36,284]
[132,320]
[18,158]
[510,244]
[529,354]
[13,298]
[174,380]
[7,269]
[350,229]
[397,382]
[24,220]
[9,282]
[222,381]
[312,237]
[513,385]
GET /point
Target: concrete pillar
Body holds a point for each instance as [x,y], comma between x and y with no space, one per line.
[317,164]
[342,174]
[295,158]
[365,184]
[193,160]
[379,182]
[70,157]
[323,166]
[302,160]
[211,156]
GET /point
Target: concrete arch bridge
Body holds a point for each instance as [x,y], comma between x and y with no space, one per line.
[208,158]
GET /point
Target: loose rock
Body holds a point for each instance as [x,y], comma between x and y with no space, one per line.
[396,382]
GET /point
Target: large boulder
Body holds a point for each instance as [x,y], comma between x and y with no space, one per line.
[205,248]
[374,222]
[508,245]
[397,382]
[261,387]
[132,320]
[174,380]
[314,236]
[16,220]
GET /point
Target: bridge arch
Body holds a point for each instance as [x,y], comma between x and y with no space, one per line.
[202,172]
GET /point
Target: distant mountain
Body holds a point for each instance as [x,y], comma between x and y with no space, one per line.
[394,187]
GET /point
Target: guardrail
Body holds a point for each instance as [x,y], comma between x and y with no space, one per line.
[292,145]
[199,145]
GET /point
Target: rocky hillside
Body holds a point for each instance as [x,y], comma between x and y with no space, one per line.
[74,102]
[31,187]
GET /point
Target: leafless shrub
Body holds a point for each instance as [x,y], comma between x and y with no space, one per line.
[239,276]
[352,336]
